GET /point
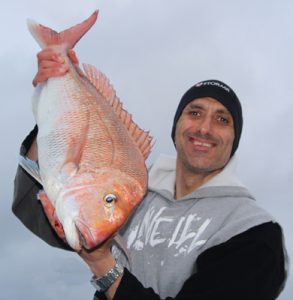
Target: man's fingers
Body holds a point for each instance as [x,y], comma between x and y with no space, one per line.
[52,64]
[45,73]
[49,55]
[49,64]
[72,56]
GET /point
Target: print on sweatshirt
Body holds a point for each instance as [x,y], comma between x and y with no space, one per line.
[184,235]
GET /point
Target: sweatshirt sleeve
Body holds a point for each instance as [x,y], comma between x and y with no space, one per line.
[248,266]
[27,207]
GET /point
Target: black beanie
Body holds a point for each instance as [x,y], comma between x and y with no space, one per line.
[222,93]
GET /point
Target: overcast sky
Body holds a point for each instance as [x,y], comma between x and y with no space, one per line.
[152,51]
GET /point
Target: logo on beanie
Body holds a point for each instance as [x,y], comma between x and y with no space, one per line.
[213,83]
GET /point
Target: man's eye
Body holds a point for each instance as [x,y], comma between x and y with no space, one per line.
[223,120]
[195,113]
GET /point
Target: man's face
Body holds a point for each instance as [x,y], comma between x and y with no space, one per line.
[204,136]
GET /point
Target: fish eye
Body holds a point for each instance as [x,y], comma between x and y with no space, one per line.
[110,198]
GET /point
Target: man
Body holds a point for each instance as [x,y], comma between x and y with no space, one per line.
[198,234]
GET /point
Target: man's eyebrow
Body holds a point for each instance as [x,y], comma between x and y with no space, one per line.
[199,106]
[223,111]
[195,106]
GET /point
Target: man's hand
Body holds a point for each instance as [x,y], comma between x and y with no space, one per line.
[100,261]
[52,64]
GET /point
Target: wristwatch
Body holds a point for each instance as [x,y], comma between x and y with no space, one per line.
[102,283]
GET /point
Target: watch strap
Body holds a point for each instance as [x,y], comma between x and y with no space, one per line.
[103,283]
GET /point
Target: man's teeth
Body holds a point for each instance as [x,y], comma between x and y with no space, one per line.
[202,144]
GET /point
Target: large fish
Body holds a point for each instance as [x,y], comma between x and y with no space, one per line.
[91,155]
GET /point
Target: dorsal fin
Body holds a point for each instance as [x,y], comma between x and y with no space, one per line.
[142,138]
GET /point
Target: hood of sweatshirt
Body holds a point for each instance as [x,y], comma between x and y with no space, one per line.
[162,176]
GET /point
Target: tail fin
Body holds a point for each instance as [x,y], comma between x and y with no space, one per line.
[68,38]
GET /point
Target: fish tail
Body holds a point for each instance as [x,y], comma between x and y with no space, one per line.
[46,37]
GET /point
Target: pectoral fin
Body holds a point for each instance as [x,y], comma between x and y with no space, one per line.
[50,213]
[31,167]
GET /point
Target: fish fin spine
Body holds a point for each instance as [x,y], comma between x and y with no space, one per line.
[142,138]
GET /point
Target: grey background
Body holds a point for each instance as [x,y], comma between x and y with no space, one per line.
[152,51]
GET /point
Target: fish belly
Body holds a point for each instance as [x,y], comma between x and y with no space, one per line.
[62,125]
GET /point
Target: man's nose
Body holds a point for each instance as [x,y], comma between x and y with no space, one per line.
[205,125]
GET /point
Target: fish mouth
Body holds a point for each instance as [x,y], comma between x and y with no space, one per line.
[88,238]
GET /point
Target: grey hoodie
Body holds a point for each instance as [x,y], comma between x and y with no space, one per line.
[165,236]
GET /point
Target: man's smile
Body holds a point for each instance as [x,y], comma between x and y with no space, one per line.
[201,144]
